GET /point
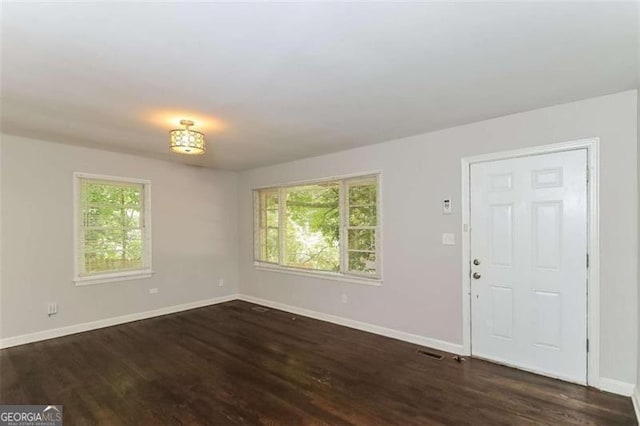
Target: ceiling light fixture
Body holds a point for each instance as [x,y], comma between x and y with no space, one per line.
[187,141]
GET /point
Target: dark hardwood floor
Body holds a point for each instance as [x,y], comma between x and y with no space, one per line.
[230,364]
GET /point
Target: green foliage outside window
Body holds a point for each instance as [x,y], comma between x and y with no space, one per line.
[361,229]
[313,227]
[112,226]
[309,231]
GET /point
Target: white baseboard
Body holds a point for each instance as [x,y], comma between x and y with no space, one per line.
[616,386]
[635,398]
[371,328]
[108,322]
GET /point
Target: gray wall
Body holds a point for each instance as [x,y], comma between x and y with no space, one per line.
[421,293]
[194,231]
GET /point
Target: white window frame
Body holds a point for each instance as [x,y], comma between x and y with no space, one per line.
[345,275]
[98,278]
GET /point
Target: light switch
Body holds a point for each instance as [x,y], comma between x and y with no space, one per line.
[448,239]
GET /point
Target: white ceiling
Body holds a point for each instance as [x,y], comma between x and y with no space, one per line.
[272,82]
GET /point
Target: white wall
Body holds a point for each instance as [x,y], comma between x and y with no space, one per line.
[421,293]
[194,236]
[638,313]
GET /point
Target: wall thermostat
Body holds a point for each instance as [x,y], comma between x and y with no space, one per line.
[447,207]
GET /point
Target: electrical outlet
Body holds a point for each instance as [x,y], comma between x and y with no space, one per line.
[345,299]
[153,291]
[221,282]
[52,308]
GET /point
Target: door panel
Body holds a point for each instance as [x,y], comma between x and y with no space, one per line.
[501,235]
[529,234]
[502,312]
[547,235]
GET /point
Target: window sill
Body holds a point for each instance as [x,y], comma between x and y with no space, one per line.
[333,276]
[108,278]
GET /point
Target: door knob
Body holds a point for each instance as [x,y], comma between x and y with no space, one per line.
[476,275]
[476,262]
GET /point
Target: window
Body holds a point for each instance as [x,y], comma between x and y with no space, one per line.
[330,226]
[112,229]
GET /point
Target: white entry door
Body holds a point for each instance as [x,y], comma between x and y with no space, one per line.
[529,263]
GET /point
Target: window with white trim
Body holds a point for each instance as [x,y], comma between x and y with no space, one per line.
[330,226]
[112,228]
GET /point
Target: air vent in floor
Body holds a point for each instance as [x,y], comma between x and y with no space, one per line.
[259,309]
[429,354]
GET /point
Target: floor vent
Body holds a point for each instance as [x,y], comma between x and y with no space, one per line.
[259,309]
[429,354]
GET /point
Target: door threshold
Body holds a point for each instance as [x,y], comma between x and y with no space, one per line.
[529,369]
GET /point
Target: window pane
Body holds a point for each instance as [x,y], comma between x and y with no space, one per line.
[362,195]
[271,199]
[111,205]
[112,249]
[268,222]
[271,245]
[116,216]
[106,262]
[109,241]
[101,193]
[313,227]
[103,216]
[362,239]
[133,248]
[362,216]
[272,218]
[362,262]
[112,226]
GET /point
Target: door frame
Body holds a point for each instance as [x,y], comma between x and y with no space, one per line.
[592,145]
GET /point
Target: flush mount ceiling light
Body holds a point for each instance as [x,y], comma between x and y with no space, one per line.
[186,141]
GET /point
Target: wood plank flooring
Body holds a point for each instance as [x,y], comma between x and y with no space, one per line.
[230,364]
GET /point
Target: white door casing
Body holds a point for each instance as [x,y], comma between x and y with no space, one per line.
[528,230]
